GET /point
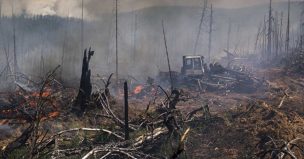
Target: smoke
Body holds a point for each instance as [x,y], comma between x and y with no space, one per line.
[94,8]
[42,41]
[61,8]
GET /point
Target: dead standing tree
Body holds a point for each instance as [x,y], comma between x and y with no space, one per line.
[210,34]
[288,29]
[200,27]
[85,88]
[269,38]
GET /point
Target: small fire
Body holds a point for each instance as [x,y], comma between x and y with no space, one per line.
[138,89]
[30,101]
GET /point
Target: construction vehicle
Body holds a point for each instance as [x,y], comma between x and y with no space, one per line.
[195,73]
[193,66]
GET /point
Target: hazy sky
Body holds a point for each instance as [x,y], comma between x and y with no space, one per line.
[93,7]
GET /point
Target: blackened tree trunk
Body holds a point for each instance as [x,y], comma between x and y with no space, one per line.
[126,111]
[85,88]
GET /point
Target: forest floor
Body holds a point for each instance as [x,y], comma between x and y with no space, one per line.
[241,124]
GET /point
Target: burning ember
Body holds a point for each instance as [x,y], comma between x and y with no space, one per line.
[45,93]
[53,114]
[138,89]
[3,122]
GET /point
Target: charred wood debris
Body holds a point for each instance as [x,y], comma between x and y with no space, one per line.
[137,138]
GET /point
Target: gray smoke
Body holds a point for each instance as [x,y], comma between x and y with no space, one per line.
[94,8]
[42,42]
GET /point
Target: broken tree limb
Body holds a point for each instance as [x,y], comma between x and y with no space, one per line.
[181,145]
[282,101]
[109,151]
[89,129]
[150,136]
[106,105]
[192,113]
[167,53]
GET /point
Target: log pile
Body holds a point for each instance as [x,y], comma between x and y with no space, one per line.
[224,79]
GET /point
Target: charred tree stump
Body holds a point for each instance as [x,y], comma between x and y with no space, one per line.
[85,88]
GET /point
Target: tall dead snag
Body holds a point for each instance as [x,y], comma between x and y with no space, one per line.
[229,33]
[126,111]
[200,27]
[210,34]
[116,42]
[269,38]
[302,28]
[167,54]
[85,88]
[14,41]
[288,30]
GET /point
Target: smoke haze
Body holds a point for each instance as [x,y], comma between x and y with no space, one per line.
[94,8]
[44,42]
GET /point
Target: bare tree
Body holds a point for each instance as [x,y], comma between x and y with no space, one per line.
[82,26]
[210,34]
[276,33]
[269,39]
[228,37]
[288,29]
[302,27]
[15,70]
[200,26]
[135,27]
[0,8]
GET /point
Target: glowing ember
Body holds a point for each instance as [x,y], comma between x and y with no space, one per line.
[53,114]
[45,93]
[3,122]
[30,101]
[138,89]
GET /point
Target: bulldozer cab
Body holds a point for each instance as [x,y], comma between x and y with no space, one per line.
[193,65]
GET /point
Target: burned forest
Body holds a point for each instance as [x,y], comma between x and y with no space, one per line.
[151,79]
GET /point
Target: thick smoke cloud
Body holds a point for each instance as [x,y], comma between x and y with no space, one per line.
[94,8]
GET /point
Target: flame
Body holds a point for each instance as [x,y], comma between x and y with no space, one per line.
[30,101]
[138,89]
